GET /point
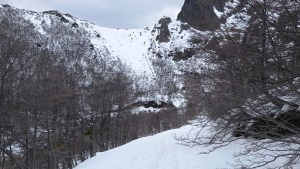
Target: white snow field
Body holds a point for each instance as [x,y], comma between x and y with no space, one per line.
[162,151]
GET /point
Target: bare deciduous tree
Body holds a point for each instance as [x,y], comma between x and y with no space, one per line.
[253,88]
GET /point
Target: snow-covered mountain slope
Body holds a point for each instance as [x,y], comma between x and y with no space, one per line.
[135,47]
[163,151]
[151,60]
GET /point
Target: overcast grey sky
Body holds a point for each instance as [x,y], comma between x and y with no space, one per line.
[107,13]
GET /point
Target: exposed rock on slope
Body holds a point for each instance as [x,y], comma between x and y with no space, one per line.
[164,34]
[200,14]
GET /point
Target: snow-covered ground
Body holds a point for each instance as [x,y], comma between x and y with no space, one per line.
[162,151]
[130,45]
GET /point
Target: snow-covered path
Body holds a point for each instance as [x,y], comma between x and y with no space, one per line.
[151,152]
[162,151]
[167,154]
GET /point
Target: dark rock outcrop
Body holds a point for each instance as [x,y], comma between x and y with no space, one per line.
[200,14]
[164,32]
[157,105]
[6,5]
[154,104]
[58,14]
[186,54]
[286,124]
[75,25]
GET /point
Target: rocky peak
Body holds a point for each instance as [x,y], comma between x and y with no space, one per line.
[164,32]
[200,14]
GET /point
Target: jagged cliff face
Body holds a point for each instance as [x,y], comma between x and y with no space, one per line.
[200,14]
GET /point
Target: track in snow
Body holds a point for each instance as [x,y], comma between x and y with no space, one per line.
[162,151]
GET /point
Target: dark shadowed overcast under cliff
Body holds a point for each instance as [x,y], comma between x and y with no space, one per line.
[107,13]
